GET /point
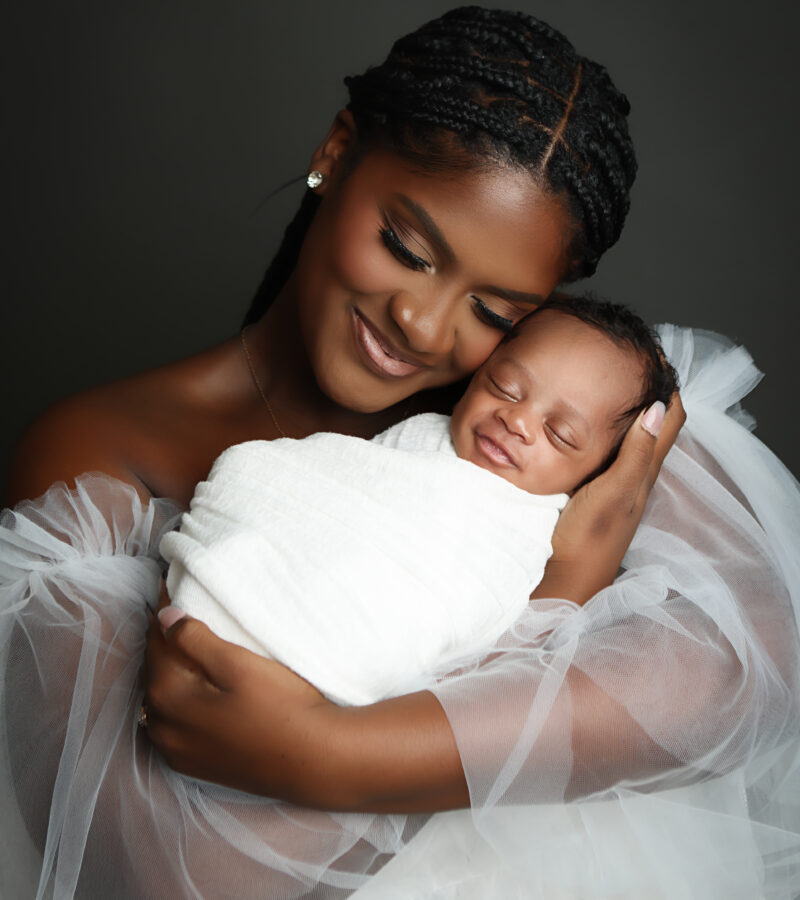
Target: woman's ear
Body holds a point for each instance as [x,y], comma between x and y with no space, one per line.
[329,157]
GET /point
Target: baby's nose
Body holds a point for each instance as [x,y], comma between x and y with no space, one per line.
[516,422]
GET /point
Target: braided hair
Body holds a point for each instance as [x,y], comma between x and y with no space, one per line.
[482,86]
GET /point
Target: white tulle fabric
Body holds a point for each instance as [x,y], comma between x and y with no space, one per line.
[645,745]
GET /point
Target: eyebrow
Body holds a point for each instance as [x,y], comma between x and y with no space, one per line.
[430,227]
[434,233]
[517,296]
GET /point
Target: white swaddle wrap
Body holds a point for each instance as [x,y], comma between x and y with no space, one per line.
[362,565]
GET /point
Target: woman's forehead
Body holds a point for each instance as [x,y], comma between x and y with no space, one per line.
[494,216]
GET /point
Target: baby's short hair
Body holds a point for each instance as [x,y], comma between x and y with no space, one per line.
[629,331]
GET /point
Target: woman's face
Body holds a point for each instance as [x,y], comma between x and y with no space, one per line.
[408,281]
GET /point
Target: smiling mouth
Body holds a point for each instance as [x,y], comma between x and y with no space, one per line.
[494,452]
[379,353]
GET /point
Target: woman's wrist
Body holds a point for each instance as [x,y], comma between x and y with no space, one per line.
[395,756]
[576,582]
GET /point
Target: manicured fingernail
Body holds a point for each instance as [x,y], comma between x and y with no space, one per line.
[653,418]
[169,615]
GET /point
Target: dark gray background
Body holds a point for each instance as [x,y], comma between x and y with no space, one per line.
[140,139]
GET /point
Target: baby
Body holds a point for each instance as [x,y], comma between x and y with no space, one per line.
[368,566]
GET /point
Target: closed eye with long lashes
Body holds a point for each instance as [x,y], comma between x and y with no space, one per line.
[399,250]
[410,259]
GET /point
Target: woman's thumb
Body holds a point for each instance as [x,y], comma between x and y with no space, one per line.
[168,616]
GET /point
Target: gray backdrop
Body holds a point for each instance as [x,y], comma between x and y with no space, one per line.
[143,137]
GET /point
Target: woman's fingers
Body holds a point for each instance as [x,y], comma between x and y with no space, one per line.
[634,466]
[597,525]
[219,712]
[220,660]
[673,422]
[629,480]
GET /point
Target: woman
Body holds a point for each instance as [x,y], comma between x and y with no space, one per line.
[386,286]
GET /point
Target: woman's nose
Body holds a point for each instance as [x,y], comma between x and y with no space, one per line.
[428,323]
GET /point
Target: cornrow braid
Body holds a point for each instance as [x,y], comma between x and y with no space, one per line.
[513,87]
[482,86]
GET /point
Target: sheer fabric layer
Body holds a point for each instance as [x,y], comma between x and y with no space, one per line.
[644,745]
[89,808]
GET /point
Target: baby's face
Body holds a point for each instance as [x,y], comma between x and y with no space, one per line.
[541,411]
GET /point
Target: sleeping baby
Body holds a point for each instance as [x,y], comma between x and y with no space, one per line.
[369,566]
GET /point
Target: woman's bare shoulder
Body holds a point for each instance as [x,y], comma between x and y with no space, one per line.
[94,430]
[146,430]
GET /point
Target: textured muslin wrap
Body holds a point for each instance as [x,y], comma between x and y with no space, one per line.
[362,565]
[644,745]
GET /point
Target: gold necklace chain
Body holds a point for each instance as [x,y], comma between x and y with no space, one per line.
[257,383]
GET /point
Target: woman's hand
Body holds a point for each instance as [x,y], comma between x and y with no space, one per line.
[224,714]
[598,523]
[221,713]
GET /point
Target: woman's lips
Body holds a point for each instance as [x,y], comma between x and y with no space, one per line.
[380,353]
[494,452]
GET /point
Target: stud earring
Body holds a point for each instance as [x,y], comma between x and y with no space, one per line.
[315,179]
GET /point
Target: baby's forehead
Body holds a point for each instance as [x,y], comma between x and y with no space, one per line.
[562,331]
[578,352]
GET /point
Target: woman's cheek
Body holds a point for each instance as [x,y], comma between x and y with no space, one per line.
[476,343]
[364,269]
[358,256]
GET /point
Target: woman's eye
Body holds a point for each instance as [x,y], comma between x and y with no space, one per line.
[491,318]
[399,250]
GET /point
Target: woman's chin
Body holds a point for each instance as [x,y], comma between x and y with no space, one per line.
[360,397]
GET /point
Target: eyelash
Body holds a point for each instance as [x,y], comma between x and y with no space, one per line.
[558,437]
[399,250]
[563,441]
[491,318]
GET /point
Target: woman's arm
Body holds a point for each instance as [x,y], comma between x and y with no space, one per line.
[226,715]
